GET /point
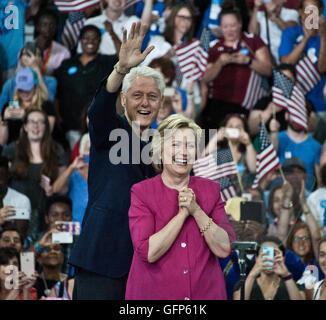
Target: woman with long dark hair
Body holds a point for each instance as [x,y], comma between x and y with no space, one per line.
[36,162]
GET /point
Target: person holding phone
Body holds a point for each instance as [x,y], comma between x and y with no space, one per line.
[28,94]
[269,279]
[278,19]
[35,154]
[74,180]
[22,287]
[307,40]
[236,64]
[234,132]
[30,57]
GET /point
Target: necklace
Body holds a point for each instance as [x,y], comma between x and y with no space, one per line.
[46,291]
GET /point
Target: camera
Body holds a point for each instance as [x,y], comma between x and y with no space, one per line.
[247,246]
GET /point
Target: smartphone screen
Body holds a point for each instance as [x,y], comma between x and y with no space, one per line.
[13,104]
[269,254]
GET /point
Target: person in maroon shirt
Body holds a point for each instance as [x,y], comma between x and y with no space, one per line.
[236,64]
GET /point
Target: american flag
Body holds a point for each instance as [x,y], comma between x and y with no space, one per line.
[219,167]
[75,5]
[71,30]
[257,85]
[129,3]
[287,95]
[256,90]
[307,75]
[192,59]
[266,159]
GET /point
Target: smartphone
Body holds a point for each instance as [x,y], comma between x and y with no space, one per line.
[169,92]
[247,196]
[268,252]
[13,104]
[27,263]
[232,133]
[62,237]
[69,226]
[45,182]
[30,46]
[21,214]
[253,210]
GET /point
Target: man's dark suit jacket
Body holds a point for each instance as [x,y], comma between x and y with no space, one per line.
[104,246]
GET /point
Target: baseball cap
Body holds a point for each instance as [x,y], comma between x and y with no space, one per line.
[26,79]
[288,164]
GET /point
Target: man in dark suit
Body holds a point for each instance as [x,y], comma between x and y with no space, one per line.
[103,254]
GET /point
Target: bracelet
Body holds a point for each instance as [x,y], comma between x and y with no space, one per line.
[202,231]
[289,207]
[288,277]
[273,131]
[119,72]
[249,62]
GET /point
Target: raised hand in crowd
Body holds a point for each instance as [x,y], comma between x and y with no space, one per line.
[244,138]
[274,127]
[218,137]
[280,269]
[322,26]
[5,213]
[47,237]
[130,55]
[14,113]
[115,38]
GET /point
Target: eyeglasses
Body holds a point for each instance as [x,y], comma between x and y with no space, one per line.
[184,17]
[301,238]
[39,122]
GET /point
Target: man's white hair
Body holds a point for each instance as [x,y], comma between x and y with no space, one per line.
[143,71]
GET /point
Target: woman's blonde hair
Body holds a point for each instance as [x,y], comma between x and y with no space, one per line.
[166,130]
[39,97]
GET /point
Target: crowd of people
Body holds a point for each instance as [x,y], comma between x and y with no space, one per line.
[79,91]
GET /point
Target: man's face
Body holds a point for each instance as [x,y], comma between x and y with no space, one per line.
[47,27]
[58,212]
[295,177]
[142,101]
[292,124]
[11,239]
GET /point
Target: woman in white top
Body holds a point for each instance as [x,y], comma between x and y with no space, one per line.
[278,18]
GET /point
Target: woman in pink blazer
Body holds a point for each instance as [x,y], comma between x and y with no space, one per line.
[178,224]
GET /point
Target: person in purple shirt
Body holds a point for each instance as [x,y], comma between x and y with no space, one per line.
[178,224]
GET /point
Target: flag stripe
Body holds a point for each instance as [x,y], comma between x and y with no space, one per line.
[75,5]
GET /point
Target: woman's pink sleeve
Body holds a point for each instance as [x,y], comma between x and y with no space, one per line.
[141,222]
